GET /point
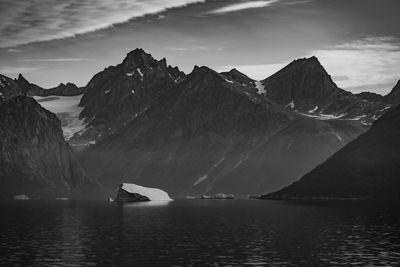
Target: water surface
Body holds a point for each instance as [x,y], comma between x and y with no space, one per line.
[199,232]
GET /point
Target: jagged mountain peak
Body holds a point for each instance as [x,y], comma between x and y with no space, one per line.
[138,58]
[117,94]
[9,88]
[21,77]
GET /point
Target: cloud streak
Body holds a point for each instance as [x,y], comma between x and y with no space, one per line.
[55,59]
[371,64]
[8,70]
[28,21]
[243,6]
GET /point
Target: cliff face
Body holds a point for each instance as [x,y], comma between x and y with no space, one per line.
[34,157]
[9,88]
[368,167]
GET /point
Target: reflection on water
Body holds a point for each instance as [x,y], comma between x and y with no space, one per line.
[192,232]
[159,203]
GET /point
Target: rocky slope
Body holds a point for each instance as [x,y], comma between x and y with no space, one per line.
[119,93]
[211,134]
[368,167]
[9,88]
[34,157]
[305,86]
[394,96]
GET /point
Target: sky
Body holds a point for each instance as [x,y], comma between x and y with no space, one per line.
[52,41]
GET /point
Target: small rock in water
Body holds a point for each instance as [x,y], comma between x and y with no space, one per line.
[21,197]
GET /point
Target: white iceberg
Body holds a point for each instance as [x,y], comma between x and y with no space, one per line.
[136,193]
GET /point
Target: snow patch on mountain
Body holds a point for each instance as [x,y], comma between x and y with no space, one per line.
[339,137]
[260,88]
[322,116]
[201,179]
[239,162]
[219,162]
[140,72]
[291,104]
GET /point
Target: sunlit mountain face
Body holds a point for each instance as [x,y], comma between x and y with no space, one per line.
[68,41]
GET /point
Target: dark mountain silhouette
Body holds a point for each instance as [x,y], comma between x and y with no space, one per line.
[34,157]
[119,93]
[369,96]
[31,89]
[305,86]
[394,96]
[20,86]
[9,88]
[209,133]
[239,77]
[368,167]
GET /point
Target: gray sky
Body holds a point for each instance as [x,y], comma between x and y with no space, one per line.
[50,41]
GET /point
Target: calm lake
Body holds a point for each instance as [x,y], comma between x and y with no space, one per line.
[198,233]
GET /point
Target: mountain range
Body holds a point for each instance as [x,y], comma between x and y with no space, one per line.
[145,122]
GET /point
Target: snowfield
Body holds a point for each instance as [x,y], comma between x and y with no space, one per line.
[67,110]
[260,87]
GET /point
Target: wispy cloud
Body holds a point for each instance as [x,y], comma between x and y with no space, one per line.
[371,63]
[55,59]
[298,2]
[242,6]
[13,50]
[8,70]
[28,21]
[193,48]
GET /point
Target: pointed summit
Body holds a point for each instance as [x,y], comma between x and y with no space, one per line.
[138,58]
[304,82]
[304,85]
[9,88]
[239,77]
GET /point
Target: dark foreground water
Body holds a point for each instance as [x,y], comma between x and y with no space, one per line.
[198,233]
